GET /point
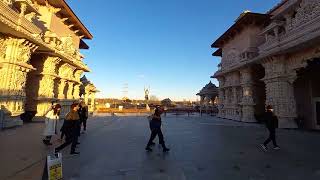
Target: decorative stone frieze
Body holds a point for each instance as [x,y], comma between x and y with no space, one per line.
[306,12]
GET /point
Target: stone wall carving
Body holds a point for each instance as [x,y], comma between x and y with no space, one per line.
[231,58]
[48,76]
[15,55]
[307,11]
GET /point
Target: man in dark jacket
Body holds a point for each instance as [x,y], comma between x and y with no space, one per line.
[271,121]
[155,126]
[83,113]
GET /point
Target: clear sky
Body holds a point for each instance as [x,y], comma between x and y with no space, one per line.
[164,44]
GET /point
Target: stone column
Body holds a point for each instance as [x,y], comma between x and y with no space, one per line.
[76,91]
[70,90]
[15,54]
[280,91]
[92,96]
[247,101]
[46,84]
[86,94]
[221,103]
[61,87]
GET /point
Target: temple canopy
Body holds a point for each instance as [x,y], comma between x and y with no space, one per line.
[209,89]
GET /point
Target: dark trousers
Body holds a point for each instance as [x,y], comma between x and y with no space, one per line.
[154,133]
[62,135]
[272,137]
[84,123]
[71,138]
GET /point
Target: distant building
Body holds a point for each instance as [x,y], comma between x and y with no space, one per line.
[208,94]
[272,59]
[166,102]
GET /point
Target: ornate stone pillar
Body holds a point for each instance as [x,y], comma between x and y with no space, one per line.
[15,54]
[70,90]
[221,103]
[247,101]
[280,91]
[86,95]
[46,84]
[92,96]
[76,91]
[62,85]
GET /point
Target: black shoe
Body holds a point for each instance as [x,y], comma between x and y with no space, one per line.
[148,149]
[166,149]
[46,142]
[75,153]
[78,143]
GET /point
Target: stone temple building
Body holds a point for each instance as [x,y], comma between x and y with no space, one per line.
[208,94]
[88,92]
[272,59]
[40,59]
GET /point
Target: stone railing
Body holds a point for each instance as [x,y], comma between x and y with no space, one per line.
[17,21]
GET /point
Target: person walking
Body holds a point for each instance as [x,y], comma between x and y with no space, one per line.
[83,113]
[271,121]
[51,122]
[71,129]
[155,126]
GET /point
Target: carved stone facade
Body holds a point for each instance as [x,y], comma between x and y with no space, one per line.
[40,59]
[272,59]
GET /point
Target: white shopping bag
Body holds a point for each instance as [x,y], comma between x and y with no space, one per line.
[54,165]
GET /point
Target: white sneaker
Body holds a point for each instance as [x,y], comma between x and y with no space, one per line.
[276,148]
[264,147]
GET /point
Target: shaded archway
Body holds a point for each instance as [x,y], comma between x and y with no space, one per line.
[307,95]
[259,90]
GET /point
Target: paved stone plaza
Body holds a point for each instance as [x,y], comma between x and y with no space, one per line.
[203,148]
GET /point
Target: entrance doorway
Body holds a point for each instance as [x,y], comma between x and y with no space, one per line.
[259,90]
[316,109]
[307,95]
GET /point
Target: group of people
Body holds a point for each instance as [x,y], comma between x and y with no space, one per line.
[78,116]
[269,118]
[71,128]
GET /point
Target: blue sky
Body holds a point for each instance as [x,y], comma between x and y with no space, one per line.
[162,44]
